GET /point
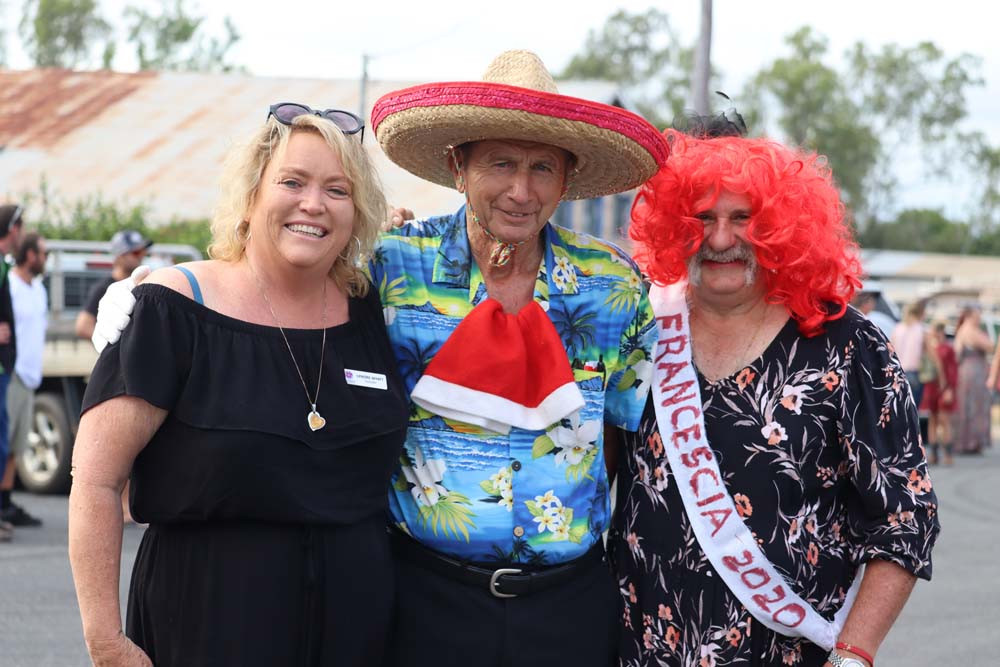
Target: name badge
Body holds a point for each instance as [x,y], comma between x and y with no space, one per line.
[365,379]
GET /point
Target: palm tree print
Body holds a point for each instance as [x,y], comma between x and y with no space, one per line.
[573,324]
[413,358]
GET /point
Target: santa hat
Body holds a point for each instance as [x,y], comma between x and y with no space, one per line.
[498,370]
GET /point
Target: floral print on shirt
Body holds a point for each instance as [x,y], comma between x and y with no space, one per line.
[818,443]
[538,497]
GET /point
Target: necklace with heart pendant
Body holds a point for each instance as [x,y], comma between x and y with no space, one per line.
[314,419]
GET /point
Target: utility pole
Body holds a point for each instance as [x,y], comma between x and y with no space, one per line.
[702,61]
[364,88]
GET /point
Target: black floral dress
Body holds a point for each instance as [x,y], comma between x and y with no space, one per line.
[819,446]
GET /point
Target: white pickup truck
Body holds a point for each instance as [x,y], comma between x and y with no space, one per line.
[73,267]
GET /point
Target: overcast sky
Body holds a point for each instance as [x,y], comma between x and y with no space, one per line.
[437,40]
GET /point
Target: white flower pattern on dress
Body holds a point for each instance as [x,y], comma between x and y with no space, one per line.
[808,424]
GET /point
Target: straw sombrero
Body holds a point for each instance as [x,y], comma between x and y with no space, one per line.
[615,150]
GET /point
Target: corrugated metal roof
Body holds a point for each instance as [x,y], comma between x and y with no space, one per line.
[159,138]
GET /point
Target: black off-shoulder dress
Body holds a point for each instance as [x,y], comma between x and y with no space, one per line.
[266,542]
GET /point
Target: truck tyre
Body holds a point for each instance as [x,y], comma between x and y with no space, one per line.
[44,465]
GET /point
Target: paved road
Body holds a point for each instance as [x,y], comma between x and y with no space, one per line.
[952,621]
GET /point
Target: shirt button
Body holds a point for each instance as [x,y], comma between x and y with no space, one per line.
[518,531]
[515,466]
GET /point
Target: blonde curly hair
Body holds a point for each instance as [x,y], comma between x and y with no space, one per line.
[241,180]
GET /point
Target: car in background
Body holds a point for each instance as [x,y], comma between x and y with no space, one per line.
[885,315]
[72,269]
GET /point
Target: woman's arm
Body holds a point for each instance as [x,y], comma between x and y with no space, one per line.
[982,341]
[110,436]
[994,375]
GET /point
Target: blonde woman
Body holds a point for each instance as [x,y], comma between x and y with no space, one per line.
[255,402]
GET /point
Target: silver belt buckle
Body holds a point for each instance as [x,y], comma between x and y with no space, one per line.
[493,582]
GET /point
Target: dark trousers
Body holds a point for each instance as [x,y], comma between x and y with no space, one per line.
[4,423]
[443,623]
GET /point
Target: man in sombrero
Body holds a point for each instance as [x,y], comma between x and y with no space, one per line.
[520,342]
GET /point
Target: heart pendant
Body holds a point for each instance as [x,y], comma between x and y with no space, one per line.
[316,422]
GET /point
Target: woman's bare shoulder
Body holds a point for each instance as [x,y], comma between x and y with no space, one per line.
[171,277]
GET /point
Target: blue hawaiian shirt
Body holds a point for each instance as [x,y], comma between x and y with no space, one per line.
[538,497]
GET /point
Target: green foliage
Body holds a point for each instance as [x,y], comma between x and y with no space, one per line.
[94,219]
[582,469]
[543,445]
[862,115]
[170,40]
[389,293]
[66,33]
[641,53]
[62,33]
[450,514]
[635,357]
[627,380]
[925,230]
[984,165]
[623,295]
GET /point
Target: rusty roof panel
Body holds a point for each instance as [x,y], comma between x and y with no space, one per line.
[160,138]
[39,107]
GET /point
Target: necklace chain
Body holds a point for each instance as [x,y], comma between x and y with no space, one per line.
[322,352]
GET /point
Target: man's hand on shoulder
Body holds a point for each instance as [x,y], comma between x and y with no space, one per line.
[114,310]
[398,216]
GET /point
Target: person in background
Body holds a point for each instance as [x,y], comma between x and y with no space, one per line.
[993,379]
[939,393]
[129,248]
[255,402]
[31,317]
[866,303]
[774,507]
[972,349]
[908,340]
[11,222]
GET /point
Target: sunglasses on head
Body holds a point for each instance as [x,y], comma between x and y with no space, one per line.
[348,123]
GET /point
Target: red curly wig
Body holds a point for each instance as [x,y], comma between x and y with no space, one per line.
[797,227]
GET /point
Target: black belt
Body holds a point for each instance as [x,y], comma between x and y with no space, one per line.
[504,582]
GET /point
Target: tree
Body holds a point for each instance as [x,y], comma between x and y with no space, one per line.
[62,33]
[640,52]
[924,230]
[170,40]
[862,118]
[983,160]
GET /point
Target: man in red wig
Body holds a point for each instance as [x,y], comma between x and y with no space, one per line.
[774,507]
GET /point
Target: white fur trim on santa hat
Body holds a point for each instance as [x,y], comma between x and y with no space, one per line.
[494,412]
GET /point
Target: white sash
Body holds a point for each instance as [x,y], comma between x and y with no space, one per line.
[722,534]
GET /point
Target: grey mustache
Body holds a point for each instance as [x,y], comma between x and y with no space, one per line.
[736,253]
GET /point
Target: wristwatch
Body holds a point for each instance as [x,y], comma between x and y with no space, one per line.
[838,660]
